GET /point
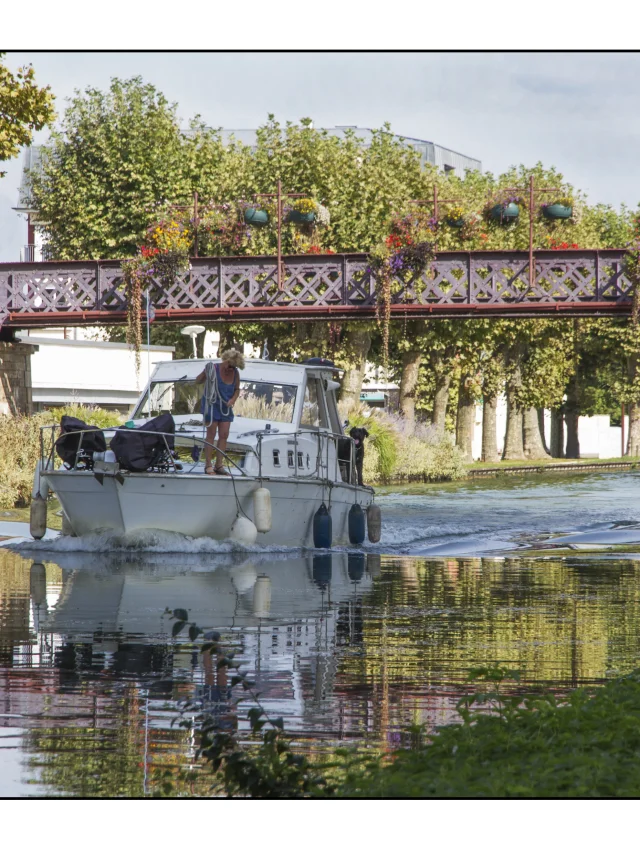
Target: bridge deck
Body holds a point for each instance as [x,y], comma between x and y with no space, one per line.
[340,287]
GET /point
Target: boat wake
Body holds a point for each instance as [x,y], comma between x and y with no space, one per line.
[148,541]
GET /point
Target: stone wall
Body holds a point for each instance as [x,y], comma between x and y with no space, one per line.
[15,378]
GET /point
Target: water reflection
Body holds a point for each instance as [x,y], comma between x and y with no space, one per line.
[347,647]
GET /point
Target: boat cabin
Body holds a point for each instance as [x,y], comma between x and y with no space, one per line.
[286,417]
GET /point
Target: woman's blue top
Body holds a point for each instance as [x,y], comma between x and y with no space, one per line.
[227,390]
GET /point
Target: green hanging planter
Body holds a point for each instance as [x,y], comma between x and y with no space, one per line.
[455,223]
[301,218]
[505,213]
[558,211]
[256,216]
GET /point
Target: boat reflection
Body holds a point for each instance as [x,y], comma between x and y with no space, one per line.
[123,596]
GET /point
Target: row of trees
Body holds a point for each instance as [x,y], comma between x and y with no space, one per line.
[119,158]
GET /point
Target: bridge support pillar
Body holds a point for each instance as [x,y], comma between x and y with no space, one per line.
[15,378]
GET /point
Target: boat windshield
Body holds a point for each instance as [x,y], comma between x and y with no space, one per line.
[260,400]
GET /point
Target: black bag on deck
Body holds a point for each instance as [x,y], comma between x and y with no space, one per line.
[67,446]
[138,451]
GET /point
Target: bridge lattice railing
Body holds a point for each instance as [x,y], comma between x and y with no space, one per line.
[467,278]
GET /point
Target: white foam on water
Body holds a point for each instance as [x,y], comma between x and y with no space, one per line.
[143,541]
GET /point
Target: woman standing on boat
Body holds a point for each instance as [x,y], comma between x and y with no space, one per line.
[221,390]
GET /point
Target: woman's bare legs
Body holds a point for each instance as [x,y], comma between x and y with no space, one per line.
[223,435]
[211,440]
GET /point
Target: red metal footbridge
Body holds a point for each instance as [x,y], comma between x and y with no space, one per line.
[563,283]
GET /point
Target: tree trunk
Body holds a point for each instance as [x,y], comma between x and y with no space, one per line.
[633,444]
[557,433]
[408,385]
[440,403]
[466,419]
[541,428]
[357,343]
[489,431]
[571,416]
[513,444]
[532,440]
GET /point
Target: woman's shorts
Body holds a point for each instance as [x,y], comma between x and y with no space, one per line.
[213,412]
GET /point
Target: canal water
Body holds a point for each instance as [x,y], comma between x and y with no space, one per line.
[351,648]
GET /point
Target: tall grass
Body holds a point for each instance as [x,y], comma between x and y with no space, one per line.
[20,447]
[394,453]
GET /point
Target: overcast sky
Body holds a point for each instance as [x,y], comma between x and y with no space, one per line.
[579,112]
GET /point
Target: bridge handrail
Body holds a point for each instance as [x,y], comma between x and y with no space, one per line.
[86,292]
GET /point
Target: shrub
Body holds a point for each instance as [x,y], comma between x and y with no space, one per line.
[93,415]
[20,447]
[383,439]
[537,746]
[394,453]
[434,461]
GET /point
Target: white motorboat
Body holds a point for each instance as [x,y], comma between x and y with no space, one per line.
[287,455]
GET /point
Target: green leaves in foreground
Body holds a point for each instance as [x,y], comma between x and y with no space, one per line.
[586,746]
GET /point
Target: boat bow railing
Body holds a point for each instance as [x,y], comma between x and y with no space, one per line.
[48,447]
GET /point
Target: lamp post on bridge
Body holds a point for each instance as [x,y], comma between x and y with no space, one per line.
[434,202]
[532,192]
[279,196]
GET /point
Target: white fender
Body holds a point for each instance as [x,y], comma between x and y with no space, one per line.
[38,518]
[243,531]
[262,509]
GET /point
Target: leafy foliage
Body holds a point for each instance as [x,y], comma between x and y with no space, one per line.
[24,109]
[533,746]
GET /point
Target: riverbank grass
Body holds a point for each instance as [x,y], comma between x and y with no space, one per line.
[550,463]
[587,745]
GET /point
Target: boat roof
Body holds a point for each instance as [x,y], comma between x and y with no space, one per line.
[261,370]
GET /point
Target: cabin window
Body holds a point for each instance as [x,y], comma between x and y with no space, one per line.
[314,413]
[276,458]
[290,459]
[263,401]
[300,460]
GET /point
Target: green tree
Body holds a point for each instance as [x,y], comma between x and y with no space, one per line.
[24,108]
[117,155]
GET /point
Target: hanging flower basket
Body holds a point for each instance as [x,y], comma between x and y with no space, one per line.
[558,211]
[301,218]
[455,217]
[302,212]
[505,213]
[256,216]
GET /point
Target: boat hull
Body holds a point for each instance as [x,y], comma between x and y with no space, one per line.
[201,506]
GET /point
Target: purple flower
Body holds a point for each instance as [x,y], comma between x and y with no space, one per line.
[396,262]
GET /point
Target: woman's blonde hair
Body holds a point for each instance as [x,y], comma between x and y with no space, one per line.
[234,357]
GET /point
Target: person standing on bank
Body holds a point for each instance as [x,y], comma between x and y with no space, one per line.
[221,389]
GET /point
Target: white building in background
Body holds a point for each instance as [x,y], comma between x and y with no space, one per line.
[86,371]
[598,439]
[83,369]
